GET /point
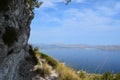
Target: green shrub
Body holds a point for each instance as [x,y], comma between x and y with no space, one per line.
[34,3]
[96,78]
[31,51]
[36,49]
[107,76]
[117,76]
[82,74]
[49,59]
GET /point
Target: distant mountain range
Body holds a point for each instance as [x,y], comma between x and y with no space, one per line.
[81,46]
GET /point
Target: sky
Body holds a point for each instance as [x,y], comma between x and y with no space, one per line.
[92,22]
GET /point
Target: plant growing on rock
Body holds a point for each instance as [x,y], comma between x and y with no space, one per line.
[34,3]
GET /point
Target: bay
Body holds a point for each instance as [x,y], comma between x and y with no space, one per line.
[90,60]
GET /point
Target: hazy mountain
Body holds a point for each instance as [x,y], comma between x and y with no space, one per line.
[81,46]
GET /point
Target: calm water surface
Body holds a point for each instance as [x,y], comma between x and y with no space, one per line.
[91,60]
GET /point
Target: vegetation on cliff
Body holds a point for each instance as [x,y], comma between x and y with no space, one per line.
[16,19]
[66,73]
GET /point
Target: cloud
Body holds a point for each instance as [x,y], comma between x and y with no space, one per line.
[78,1]
[58,24]
[117,6]
[50,3]
[53,3]
[87,18]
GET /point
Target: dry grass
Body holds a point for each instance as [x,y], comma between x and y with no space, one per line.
[45,71]
[66,73]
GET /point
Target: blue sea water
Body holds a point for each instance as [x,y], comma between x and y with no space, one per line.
[90,60]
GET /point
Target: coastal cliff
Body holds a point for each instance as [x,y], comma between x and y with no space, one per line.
[15,19]
[19,60]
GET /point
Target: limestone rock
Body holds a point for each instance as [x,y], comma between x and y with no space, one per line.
[15,19]
[16,56]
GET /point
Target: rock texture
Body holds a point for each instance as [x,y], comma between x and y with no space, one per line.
[15,19]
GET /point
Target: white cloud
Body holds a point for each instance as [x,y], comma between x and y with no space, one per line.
[87,19]
[106,10]
[76,22]
[78,1]
[117,7]
[50,3]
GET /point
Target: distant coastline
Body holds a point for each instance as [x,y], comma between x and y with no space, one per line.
[80,46]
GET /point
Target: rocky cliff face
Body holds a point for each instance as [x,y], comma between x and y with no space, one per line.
[15,19]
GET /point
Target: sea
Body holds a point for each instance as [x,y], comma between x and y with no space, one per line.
[90,60]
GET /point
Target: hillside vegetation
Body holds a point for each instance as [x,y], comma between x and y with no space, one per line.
[46,65]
